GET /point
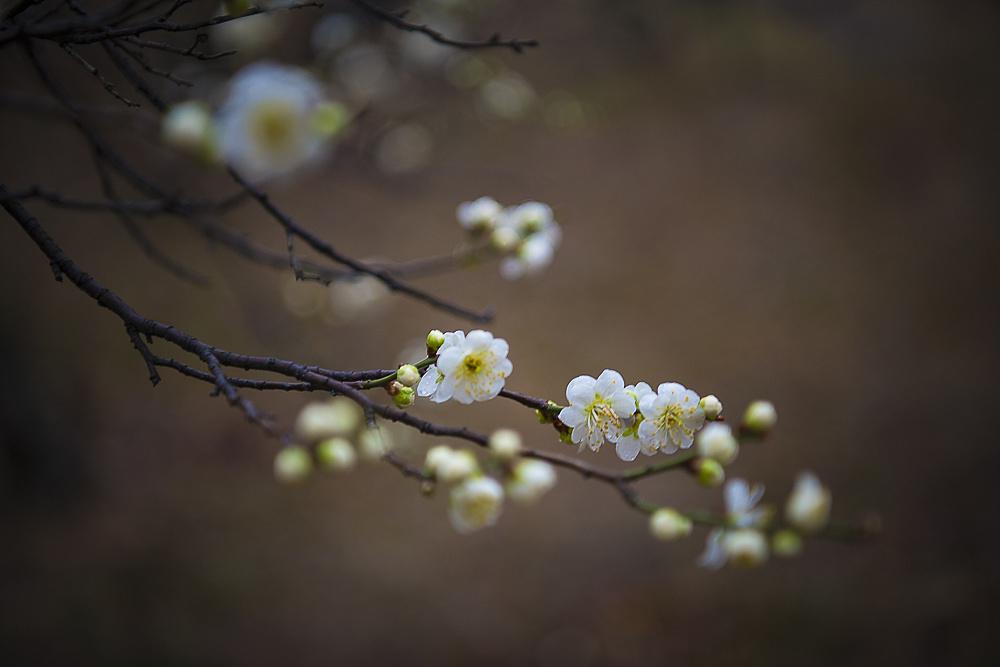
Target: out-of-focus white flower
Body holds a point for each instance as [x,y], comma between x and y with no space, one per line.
[808,508]
[266,125]
[469,368]
[669,524]
[716,441]
[336,454]
[741,503]
[530,480]
[404,149]
[188,127]
[530,257]
[436,456]
[328,419]
[760,417]
[505,443]
[292,464]
[597,409]
[629,446]
[479,214]
[374,443]
[475,504]
[530,219]
[456,466]
[670,417]
[354,299]
[504,239]
[508,96]
[712,407]
[745,547]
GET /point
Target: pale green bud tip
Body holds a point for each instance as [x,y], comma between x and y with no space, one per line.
[668,524]
[712,407]
[435,339]
[292,464]
[404,396]
[329,119]
[760,417]
[786,543]
[336,454]
[710,472]
[505,444]
[408,375]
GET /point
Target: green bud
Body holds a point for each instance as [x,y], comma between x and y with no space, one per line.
[292,464]
[786,543]
[709,472]
[760,417]
[408,375]
[336,454]
[329,119]
[435,339]
[404,396]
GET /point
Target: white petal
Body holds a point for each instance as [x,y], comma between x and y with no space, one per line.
[628,448]
[444,391]
[478,339]
[714,556]
[623,404]
[429,382]
[737,496]
[449,360]
[608,382]
[647,406]
[499,347]
[572,416]
[580,390]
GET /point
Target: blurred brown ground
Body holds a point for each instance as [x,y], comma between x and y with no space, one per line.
[766,201]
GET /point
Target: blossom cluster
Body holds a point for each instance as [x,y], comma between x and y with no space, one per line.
[468,368]
[634,418]
[274,119]
[526,235]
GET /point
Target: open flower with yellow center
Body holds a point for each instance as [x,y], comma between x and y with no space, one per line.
[671,417]
[267,124]
[469,368]
[597,409]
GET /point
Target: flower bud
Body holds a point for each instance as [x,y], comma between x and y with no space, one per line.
[373,444]
[808,508]
[435,339]
[408,375]
[504,239]
[716,442]
[292,464]
[505,444]
[668,524]
[404,396]
[460,465]
[745,547]
[478,215]
[709,472]
[336,454]
[786,543]
[436,456]
[712,407]
[475,504]
[760,417]
[530,480]
[188,127]
[318,421]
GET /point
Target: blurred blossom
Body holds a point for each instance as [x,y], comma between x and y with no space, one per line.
[267,123]
[304,298]
[336,417]
[249,35]
[350,300]
[189,128]
[508,96]
[404,149]
[332,33]
[365,71]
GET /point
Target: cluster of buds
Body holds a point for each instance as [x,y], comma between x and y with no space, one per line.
[526,235]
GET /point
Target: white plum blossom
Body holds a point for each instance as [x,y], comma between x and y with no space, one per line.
[669,524]
[266,124]
[529,258]
[530,480]
[670,417]
[327,419]
[531,218]
[740,540]
[480,214]
[530,234]
[505,444]
[469,368]
[188,127]
[597,409]
[716,441]
[808,507]
[475,504]
[629,446]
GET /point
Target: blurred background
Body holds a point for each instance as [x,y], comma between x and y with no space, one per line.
[792,201]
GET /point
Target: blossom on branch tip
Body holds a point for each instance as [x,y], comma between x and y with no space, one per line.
[671,417]
[469,368]
[479,215]
[597,409]
[760,417]
[475,504]
[669,524]
[266,126]
[712,407]
[808,507]
[530,479]
[741,504]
